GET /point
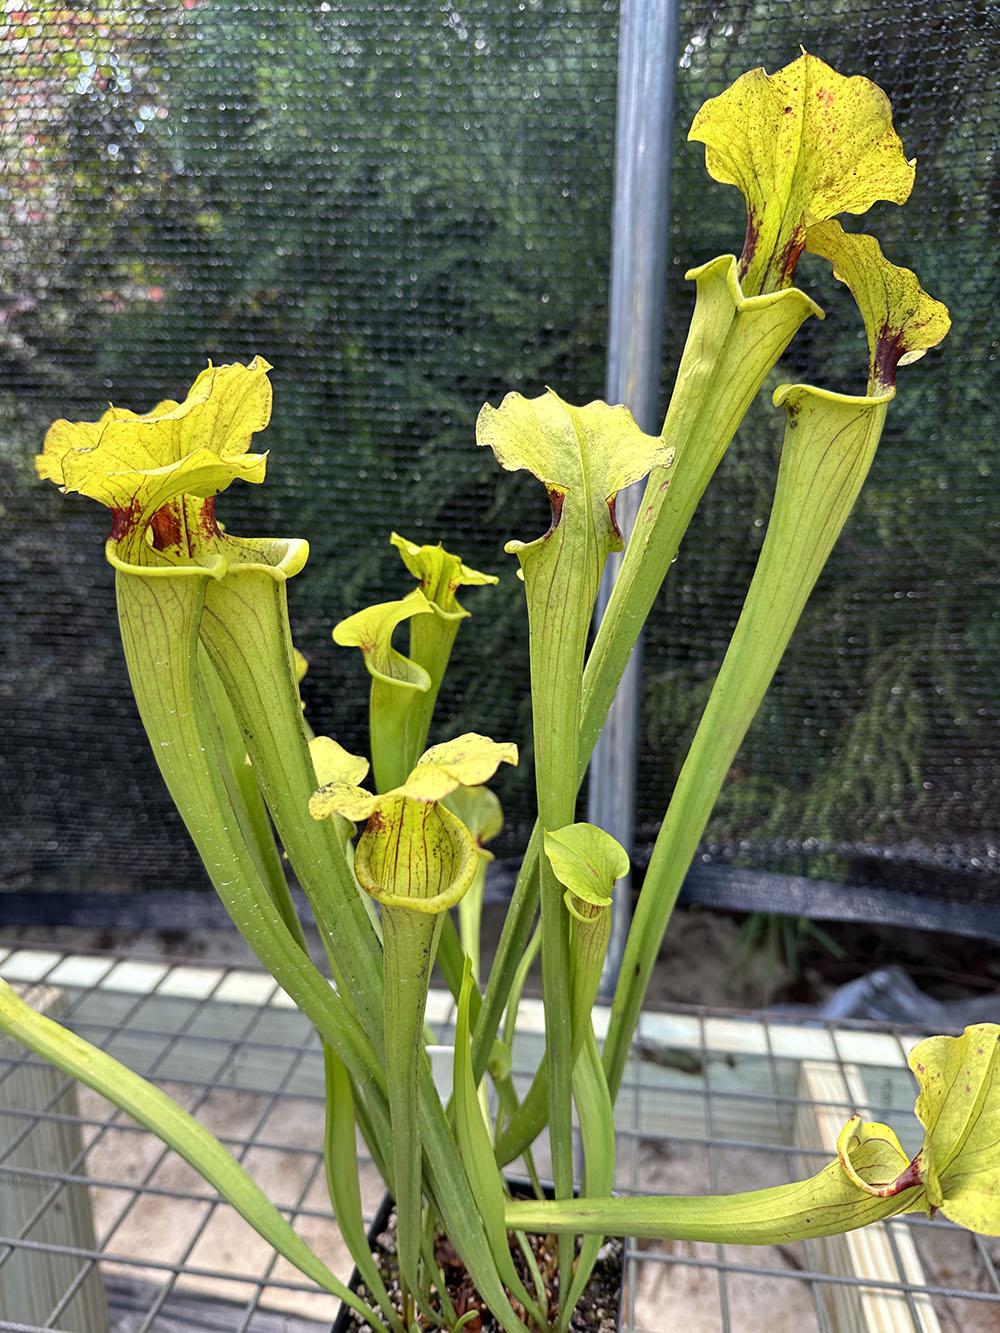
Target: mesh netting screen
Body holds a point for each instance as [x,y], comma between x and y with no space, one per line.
[406,208]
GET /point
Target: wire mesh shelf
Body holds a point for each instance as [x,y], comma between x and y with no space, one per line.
[101,1227]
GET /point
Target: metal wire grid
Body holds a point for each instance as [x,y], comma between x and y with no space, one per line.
[683,1101]
[220,1059]
[726,1267]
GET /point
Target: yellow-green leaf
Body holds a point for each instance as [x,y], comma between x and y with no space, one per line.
[587,861]
[347,799]
[901,320]
[141,465]
[805,142]
[959,1107]
[465,761]
[477,1151]
[894,1169]
[828,1203]
[335,764]
[415,854]
[581,454]
[371,630]
[439,574]
[397,683]
[153,1109]
[479,810]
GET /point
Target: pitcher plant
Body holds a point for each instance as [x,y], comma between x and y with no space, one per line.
[385,848]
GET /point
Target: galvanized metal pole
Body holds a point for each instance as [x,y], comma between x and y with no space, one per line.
[647,62]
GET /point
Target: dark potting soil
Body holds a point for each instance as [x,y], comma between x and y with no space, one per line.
[596,1312]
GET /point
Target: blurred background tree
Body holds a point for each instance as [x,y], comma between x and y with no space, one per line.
[407,209]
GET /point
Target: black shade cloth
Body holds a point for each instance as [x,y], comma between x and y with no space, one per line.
[406,208]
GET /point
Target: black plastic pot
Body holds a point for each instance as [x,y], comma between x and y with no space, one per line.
[342,1324]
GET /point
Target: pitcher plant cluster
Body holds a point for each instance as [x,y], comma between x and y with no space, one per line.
[384,847]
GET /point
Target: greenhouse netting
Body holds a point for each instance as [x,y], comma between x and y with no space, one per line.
[406,208]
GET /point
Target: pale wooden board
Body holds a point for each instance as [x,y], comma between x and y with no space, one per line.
[33,1281]
[883,1252]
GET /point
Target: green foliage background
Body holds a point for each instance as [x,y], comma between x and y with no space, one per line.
[406,209]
